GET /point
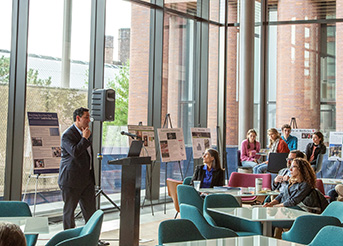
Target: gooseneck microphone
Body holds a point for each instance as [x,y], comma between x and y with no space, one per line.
[133,136]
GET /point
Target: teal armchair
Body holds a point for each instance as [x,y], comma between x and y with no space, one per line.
[188,195]
[18,209]
[241,226]
[208,231]
[87,235]
[329,235]
[177,230]
[306,227]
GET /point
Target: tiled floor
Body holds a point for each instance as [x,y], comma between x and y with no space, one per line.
[110,228]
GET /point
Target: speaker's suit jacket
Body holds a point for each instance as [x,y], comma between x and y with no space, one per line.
[75,160]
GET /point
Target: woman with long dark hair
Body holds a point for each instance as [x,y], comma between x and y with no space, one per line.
[315,148]
[210,173]
[301,183]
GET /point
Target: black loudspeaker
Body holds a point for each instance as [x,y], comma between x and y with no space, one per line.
[103,104]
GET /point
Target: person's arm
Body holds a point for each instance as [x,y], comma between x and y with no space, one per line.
[218,178]
[322,149]
[295,143]
[196,174]
[72,146]
[282,147]
[308,151]
[272,203]
[244,151]
[303,190]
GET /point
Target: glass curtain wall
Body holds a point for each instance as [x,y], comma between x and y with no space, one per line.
[178,83]
[127,41]
[57,79]
[302,61]
[5,46]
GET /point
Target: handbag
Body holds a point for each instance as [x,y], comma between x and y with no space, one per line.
[315,202]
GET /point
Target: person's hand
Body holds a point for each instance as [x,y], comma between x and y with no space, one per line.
[267,204]
[285,178]
[278,179]
[86,132]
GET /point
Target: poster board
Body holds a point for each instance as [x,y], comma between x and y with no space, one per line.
[147,134]
[45,142]
[335,146]
[304,137]
[201,140]
[172,144]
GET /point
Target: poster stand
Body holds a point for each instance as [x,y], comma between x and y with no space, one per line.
[36,177]
[293,123]
[165,125]
[148,175]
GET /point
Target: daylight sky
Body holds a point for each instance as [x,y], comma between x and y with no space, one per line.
[46,23]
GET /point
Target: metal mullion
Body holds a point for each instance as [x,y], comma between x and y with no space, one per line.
[96,74]
[16,101]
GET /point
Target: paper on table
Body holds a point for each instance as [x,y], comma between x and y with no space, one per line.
[36,225]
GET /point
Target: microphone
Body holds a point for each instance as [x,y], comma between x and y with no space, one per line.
[133,136]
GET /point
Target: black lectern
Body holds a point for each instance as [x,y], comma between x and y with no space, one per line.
[130,198]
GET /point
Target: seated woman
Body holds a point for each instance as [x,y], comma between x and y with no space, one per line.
[211,173]
[276,145]
[249,148]
[314,149]
[301,183]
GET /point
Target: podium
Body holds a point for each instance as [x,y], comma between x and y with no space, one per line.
[130,198]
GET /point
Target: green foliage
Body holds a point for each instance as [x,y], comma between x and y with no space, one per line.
[32,75]
[121,86]
[4,69]
[32,79]
[111,129]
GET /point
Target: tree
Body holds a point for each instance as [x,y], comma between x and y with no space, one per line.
[4,69]
[121,86]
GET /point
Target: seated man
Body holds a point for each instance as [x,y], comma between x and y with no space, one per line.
[290,140]
[281,180]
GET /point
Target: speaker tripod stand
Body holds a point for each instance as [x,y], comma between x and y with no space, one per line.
[99,191]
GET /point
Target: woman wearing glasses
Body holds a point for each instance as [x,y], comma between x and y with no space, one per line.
[301,183]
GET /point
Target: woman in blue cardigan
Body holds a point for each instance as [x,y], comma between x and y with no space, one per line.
[210,173]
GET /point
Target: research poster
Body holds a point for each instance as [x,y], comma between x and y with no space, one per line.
[147,134]
[201,140]
[304,137]
[335,146]
[45,142]
[172,144]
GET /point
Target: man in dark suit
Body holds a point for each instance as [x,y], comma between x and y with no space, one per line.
[76,175]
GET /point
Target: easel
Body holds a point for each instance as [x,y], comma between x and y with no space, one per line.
[293,123]
[36,176]
[165,125]
[148,176]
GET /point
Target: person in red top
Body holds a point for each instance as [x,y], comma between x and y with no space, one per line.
[276,145]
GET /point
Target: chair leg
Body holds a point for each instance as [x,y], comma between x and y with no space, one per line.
[176,215]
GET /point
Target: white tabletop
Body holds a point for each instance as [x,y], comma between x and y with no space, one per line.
[242,192]
[331,181]
[29,225]
[259,213]
[238,241]
[264,215]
